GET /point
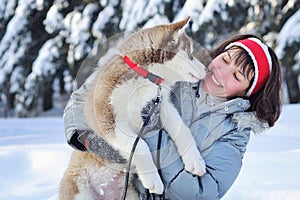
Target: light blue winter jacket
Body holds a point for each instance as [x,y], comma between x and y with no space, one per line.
[221,131]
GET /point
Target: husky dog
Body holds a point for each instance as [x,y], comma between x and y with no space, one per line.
[114,105]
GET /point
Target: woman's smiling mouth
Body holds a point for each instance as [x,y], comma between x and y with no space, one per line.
[213,78]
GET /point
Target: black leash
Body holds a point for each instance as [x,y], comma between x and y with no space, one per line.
[158,152]
[148,195]
[139,136]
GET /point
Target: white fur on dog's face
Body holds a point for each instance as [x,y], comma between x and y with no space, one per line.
[180,68]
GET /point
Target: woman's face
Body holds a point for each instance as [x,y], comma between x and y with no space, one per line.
[226,79]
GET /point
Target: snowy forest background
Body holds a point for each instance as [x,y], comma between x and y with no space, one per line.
[44,42]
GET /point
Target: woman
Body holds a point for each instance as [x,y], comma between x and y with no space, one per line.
[240,93]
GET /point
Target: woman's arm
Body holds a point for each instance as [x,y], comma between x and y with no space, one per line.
[78,133]
[74,120]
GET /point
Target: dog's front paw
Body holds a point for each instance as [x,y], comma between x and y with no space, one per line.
[193,161]
[152,181]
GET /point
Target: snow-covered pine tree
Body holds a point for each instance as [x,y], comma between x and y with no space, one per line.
[31,29]
[19,45]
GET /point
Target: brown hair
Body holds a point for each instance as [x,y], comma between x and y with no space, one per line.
[267,101]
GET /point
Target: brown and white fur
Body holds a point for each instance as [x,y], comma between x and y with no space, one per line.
[113,110]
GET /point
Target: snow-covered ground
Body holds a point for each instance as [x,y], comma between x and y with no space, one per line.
[34,155]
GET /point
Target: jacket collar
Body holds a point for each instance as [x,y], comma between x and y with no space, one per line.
[244,120]
[228,107]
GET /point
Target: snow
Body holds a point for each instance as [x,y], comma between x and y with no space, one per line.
[44,64]
[34,156]
[15,79]
[7,8]
[54,19]
[102,19]
[137,11]
[77,26]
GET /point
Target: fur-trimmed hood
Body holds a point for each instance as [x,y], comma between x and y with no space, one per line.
[249,120]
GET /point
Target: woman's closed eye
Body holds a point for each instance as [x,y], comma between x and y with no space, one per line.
[236,76]
[239,76]
[226,59]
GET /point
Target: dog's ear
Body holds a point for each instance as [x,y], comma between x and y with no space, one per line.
[179,26]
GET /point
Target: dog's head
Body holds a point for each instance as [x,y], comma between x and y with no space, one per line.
[165,50]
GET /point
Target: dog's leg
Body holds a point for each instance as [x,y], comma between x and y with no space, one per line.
[183,139]
[68,188]
[75,183]
[142,158]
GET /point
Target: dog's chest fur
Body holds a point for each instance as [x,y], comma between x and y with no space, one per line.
[132,100]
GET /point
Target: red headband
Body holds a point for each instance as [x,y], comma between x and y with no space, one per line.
[261,58]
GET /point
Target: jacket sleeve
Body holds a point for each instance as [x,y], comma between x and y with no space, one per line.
[223,163]
[73,116]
